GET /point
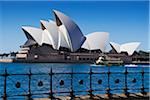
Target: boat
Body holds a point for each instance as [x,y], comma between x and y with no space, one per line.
[131,65]
[109,61]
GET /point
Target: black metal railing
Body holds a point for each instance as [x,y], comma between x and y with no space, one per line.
[53,84]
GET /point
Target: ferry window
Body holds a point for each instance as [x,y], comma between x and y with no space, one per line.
[35,56]
[77,57]
[68,57]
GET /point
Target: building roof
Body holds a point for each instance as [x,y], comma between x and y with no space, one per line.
[62,33]
[40,36]
[29,42]
[36,33]
[52,29]
[96,40]
[127,47]
[66,33]
[71,31]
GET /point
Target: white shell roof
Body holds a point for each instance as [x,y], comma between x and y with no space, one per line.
[47,38]
[115,46]
[127,47]
[64,38]
[96,40]
[73,33]
[130,47]
[36,33]
[39,35]
[52,28]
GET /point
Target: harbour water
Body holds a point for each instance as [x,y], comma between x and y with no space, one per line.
[18,72]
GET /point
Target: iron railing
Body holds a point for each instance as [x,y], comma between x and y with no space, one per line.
[52,84]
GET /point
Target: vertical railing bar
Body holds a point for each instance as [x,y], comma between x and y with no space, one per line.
[5,83]
[72,92]
[108,87]
[29,85]
[126,86]
[90,91]
[142,88]
[51,84]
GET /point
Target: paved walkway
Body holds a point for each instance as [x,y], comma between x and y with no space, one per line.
[137,96]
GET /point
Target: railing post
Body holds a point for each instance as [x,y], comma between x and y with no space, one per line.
[51,84]
[108,94]
[142,88]
[90,91]
[71,92]
[126,93]
[5,84]
[29,84]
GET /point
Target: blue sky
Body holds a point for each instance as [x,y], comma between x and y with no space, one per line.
[126,21]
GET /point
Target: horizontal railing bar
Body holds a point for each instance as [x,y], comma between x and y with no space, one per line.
[76,91]
[73,73]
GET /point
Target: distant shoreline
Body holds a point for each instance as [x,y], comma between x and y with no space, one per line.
[11,60]
[6,60]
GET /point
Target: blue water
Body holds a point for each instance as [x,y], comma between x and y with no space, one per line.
[40,73]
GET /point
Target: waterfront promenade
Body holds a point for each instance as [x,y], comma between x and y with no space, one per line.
[137,96]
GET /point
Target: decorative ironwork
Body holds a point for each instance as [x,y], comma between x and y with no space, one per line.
[134,80]
[99,81]
[40,83]
[18,85]
[81,82]
[54,84]
[117,81]
[61,82]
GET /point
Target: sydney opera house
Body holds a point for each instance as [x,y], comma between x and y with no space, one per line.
[63,41]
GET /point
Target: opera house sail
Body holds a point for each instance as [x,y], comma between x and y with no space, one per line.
[70,31]
[127,47]
[95,41]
